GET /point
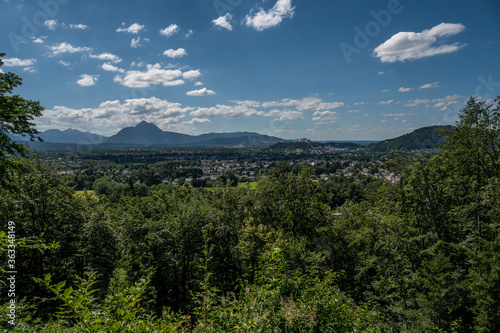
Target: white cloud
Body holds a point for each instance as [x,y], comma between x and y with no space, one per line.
[198,121]
[305,104]
[154,75]
[285,115]
[430,85]
[133,29]
[403,89]
[64,47]
[188,34]
[441,103]
[171,53]
[324,117]
[192,74]
[198,83]
[353,111]
[110,68]
[224,22]
[136,42]
[65,63]
[416,45]
[200,92]
[1,71]
[170,30]
[39,40]
[385,102]
[263,20]
[87,80]
[78,26]
[107,56]
[15,62]
[226,111]
[397,114]
[248,103]
[51,24]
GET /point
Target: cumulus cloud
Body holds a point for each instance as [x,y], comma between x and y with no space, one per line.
[110,68]
[171,53]
[16,62]
[111,115]
[39,40]
[416,45]
[51,24]
[201,92]
[154,75]
[198,83]
[224,22]
[133,29]
[87,80]
[198,121]
[107,56]
[192,74]
[64,47]
[403,89]
[136,42]
[170,30]
[430,85]
[262,19]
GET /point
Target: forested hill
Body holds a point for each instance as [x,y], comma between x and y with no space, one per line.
[423,138]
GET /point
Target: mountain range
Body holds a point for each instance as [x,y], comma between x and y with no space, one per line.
[149,134]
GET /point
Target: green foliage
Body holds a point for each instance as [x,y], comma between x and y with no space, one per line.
[418,255]
[16,116]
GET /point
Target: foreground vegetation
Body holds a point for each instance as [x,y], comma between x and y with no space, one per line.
[419,255]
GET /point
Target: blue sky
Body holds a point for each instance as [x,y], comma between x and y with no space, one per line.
[325,70]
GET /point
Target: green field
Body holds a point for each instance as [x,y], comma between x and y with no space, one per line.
[81,193]
[253,185]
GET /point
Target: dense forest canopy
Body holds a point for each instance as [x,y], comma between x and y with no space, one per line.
[417,255]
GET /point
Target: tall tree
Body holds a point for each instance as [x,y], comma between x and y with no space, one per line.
[16,116]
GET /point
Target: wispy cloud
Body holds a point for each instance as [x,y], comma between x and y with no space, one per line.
[107,56]
[64,47]
[132,29]
[430,85]
[385,102]
[78,26]
[14,62]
